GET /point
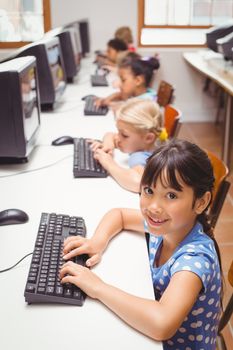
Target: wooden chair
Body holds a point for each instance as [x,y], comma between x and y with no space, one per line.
[165,93]
[221,187]
[172,120]
[226,315]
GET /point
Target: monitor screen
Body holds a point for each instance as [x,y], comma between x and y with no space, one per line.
[20,109]
[29,101]
[55,66]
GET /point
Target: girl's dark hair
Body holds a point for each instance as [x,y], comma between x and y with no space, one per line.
[117,44]
[185,160]
[141,66]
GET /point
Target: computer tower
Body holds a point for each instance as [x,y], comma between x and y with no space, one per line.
[51,69]
[215,33]
[225,46]
[69,48]
[20,109]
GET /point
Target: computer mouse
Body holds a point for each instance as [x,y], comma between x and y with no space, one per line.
[63,140]
[87,96]
[13,216]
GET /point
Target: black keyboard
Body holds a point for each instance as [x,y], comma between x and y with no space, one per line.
[91,109]
[84,164]
[99,80]
[43,282]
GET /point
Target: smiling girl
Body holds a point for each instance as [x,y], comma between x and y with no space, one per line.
[176,191]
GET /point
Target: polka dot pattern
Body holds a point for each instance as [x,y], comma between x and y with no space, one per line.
[196,254]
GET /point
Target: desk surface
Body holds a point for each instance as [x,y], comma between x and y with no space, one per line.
[53,189]
[213,66]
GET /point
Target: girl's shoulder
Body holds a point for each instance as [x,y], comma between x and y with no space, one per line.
[138,158]
[149,94]
[197,243]
[197,254]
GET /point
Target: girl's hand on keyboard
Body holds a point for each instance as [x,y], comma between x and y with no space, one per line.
[105,146]
[100,102]
[77,245]
[95,145]
[82,277]
[103,157]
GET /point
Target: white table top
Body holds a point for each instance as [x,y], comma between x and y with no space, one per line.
[212,65]
[53,189]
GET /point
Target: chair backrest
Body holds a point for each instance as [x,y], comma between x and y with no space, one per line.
[227,313]
[172,120]
[221,186]
[164,93]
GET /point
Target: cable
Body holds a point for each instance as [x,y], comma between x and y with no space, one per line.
[11,267]
[41,168]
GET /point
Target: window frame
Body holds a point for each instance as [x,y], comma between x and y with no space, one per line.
[142,25]
[47,27]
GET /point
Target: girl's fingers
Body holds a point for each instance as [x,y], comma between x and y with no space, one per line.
[77,251]
[72,243]
[95,259]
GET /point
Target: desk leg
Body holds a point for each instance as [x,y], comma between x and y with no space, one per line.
[228,131]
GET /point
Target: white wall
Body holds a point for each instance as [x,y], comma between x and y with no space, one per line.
[107,15]
[194,104]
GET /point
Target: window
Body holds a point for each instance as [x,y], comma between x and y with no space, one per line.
[23,21]
[180,22]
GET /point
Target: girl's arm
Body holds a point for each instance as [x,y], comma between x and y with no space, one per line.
[111,224]
[109,142]
[157,319]
[128,178]
[116,96]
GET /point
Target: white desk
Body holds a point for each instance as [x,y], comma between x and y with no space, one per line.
[124,264]
[213,66]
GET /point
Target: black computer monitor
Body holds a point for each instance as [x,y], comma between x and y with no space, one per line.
[51,69]
[70,49]
[74,26]
[20,109]
[84,36]
[214,33]
[225,46]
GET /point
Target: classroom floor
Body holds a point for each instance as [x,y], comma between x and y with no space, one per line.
[208,136]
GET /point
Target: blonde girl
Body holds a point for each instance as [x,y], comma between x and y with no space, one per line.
[140,130]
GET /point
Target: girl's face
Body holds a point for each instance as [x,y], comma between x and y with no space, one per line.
[129,82]
[112,54]
[168,211]
[128,139]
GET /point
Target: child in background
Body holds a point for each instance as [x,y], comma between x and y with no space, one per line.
[115,47]
[135,76]
[125,34]
[140,128]
[176,191]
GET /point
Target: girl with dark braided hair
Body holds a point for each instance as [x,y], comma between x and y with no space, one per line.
[176,191]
